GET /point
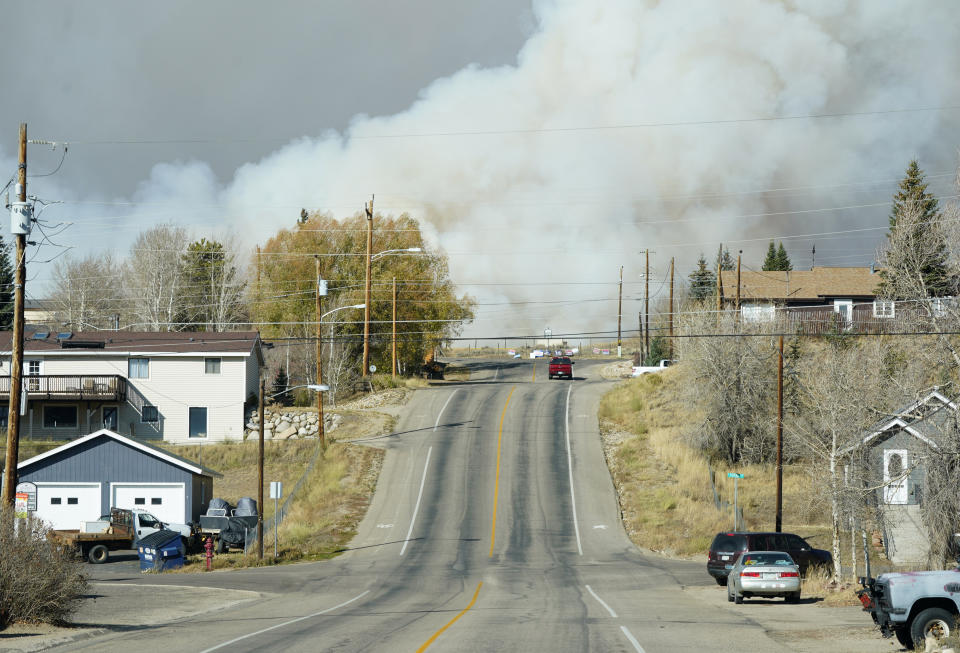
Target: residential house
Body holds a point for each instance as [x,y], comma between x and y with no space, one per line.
[178,387]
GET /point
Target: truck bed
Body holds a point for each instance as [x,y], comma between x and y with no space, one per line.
[75,537]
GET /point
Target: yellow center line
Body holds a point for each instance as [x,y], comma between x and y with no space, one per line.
[496,484]
[534,370]
[451,622]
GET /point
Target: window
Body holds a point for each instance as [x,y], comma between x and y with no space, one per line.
[4,415]
[211,366]
[60,417]
[109,417]
[33,368]
[138,368]
[156,501]
[55,501]
[149,521]
[884,308]
[72,501]
[198,422]
[150,414]
[139,501]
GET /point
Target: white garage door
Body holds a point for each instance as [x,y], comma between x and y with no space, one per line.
[65,505]
[165,501]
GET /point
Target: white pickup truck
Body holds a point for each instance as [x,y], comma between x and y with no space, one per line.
[913,605]
[640,370]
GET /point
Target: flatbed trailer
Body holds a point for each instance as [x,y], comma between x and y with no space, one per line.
[96,547]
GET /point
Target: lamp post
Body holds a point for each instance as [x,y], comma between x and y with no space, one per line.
[370,259]
[319,388]
[322,431]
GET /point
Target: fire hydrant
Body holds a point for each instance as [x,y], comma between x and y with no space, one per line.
[208,545]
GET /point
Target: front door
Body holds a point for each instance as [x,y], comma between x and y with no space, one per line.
[895,476]
[109,417]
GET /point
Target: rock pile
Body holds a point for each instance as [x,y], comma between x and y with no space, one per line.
[283,425]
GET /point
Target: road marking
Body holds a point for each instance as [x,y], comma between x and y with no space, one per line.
[451,622]
[601,527]
[391,526]
[632,639]
[285,623]
[496,484]
[443,409]
[573,498]
[416,508]
[602,602]
[496,374]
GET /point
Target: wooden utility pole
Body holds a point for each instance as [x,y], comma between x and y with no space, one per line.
[619,316]
[780,438]
[646,304]
[671,307]
[263,384]
[393,343]
[737,304]
[16,356]
[719,284]
[643,356]
[321,434]
[366,310]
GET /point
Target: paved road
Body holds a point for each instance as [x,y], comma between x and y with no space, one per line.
[494,527]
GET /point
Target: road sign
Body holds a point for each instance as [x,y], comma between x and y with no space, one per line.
[276,489]
[733,475]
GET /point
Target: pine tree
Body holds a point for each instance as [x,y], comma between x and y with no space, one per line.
[771,262]
[659,349]
[281,383]
[913,192]
[6,287]
[724,260]
[783,261]
[702,281]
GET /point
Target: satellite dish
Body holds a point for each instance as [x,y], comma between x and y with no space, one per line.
[373,368]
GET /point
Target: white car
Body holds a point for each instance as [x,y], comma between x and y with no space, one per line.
[764,573]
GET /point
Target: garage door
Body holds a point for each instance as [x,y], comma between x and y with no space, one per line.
[65,505]
[165,501]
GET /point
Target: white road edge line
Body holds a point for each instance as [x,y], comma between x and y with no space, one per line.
[632,639]
[285,623]
[602,602]
[416,508]
[573,498]
[444,408]
[496,374]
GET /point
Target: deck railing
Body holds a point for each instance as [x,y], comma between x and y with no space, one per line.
[70,387]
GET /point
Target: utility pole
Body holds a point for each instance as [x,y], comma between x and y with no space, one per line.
[671,307]
[321,292]
[366,310]
[719,284]
[263,384]
[736,315]
[780,440]
[646,304]
[16,357]
[643,356]
[619,316]
[393,344]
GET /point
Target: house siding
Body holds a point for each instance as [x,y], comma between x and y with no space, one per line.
[899,440]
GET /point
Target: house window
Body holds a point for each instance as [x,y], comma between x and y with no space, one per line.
[884,308]
[109,414]
[4,415]
[198,422]
[139,501]
[844,308]
[33,368]
[60,417]
[138,368]
[151,414]
[211,366]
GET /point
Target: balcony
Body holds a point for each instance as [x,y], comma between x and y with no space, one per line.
[66,387]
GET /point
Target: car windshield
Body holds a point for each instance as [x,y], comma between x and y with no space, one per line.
[766,559]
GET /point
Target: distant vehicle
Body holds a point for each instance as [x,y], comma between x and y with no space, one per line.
[640,370]
[120,530]
[561,366]
[726,547]
[764,573]
[913,605]
[537,353]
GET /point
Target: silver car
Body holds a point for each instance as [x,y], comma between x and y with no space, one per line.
[764,573]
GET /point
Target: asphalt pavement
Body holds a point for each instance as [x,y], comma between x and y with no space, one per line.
[494,527]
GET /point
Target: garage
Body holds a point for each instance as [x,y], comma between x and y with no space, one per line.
[165,501]
[84,478]
[65,505]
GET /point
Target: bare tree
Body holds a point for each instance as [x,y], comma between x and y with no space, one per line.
[86,291]
[154,277]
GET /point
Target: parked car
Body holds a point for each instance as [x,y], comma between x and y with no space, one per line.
[727,546]
[764,573]
[913,605]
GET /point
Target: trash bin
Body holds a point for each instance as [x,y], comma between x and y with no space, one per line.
[161,551]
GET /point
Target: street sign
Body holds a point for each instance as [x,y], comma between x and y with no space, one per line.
[732,475]
[276,489]
[373,368]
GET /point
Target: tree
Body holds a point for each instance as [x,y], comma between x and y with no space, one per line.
[6,287]
[659,349]
[724,260]
[915,257]
[703,281]
[280,384]
[783,261]
[86,291]
[155,277]
[777,259]
[214,287]
[770,263]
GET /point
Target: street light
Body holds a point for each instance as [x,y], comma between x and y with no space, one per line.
[263,383]
[321,432]
[370,259]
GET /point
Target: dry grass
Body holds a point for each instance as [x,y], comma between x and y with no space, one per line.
[664,485]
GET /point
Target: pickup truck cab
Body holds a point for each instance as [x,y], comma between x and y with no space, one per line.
[560,366]
[913,605]
[640,370]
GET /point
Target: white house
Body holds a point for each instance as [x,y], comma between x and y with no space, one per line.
[178,387]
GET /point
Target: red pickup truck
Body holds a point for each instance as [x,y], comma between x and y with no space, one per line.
[561,366]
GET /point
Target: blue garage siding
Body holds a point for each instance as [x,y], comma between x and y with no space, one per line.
[105,460]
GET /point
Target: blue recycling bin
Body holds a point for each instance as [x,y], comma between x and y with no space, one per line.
[161,551]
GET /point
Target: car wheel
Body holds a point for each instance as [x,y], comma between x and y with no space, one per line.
[903,636]
[729,594]
[738,598]
[936,622]
[98,554]
[721,581]
[793,598]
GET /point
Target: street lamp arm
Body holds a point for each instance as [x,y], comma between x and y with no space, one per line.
[342,308]
[312,386]
[395,251]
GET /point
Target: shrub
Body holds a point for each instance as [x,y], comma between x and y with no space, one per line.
[39,582]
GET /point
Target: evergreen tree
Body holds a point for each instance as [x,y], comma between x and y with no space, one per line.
[770,263]
[913,193]
[659,349]
[281,383]
[724,260]
[6,287]
[783,261]
[702,281]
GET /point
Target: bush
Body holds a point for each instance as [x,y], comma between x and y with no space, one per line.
[39,582]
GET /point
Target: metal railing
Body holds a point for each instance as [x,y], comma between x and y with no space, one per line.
[70,387]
